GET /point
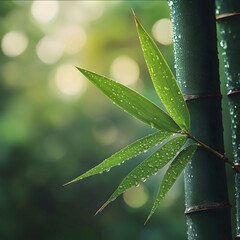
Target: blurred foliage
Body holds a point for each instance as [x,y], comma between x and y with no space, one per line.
[52,129]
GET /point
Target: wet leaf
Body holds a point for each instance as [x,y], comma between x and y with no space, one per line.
[164,80]
[173,172]
[132,150]
[148,167]
[134,103]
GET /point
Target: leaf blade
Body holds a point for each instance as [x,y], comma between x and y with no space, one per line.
[173,172]
[163,80]
[131,101]
[148,167]
[132,150]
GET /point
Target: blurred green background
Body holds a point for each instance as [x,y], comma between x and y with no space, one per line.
[54,124]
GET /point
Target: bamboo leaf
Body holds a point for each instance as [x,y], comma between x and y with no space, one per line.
[148,167]
[164,80]
[132,102]
[173,172]
[130,151]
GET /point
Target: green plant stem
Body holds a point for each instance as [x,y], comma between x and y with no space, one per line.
[221,156]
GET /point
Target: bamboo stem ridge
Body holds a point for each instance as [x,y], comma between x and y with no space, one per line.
[228,20]
[195,50]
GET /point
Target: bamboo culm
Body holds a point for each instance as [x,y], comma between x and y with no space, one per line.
[228,19]
[195,50]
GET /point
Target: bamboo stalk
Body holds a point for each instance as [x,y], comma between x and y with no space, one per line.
[229,36]
[195,50]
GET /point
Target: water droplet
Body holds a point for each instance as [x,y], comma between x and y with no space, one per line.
[226,65]
[150,165]
[223,44]
[143,179]
[152,124]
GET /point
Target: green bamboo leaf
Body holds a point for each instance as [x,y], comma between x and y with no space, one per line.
[130,151]
[132,102]
[148,167]
[173,172]
[164,80]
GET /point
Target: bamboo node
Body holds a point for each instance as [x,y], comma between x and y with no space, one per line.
[237,236]
[206,207]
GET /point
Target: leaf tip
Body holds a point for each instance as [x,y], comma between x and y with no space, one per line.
[133,13]
[74,180]
[100,209]
[146,221]
[135,17]
[65,184]
[79,69]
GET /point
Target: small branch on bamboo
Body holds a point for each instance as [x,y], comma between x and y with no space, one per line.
[233,92]
[192,97]
[235,167]
[226,15]
[206,206]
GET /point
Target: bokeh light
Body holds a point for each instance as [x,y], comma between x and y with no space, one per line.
[44,11]
[125,70]
[136,197]
[84,11]
[14,43]
[73,38]
[94,9]
[162,31]
[69,81]
[49,49]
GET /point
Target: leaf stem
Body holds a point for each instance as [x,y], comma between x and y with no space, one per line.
[221,156]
